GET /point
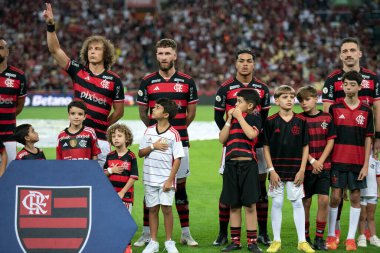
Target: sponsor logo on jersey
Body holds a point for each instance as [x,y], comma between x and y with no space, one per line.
[342,116]
[73,143]
[10,75]
[155,81]
[92,97]
[7,101]
[107,77]
[232,87]
[157,88]
[179,80]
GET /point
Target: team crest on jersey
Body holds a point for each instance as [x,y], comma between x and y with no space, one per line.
[9,82]
[105,84]
[365,84]
[324,125]
[178,87]
[360,119]
[296,130]
[83,143]
[73,143]
[51,218]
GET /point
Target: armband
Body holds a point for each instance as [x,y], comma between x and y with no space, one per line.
[152,146]
[228,124]
[270,169]
[312,161]
[50,28]
[109,170]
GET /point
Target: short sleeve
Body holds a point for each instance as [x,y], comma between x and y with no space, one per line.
[328,91]
[193,92]
[118,90]
[134,168]
[220,99]
[178,151]
[142,93]
[73,67]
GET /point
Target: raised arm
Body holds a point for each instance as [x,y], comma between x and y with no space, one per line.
[52,39]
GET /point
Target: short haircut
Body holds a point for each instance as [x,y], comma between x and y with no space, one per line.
[307,91]
[77,103]
[283,89]
[349,40]
[250,96]
[109,57]
[353,76]
[166,43]
[121,128]
[169,106]
[21,132]
[245,51]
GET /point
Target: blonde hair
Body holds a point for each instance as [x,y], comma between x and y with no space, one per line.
[123,129]
[108,53]
[283,89]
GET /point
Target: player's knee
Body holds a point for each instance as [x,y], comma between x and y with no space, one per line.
[297,203]
[277,202]
[181,196]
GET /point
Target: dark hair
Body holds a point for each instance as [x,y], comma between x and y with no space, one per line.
[349,40]
[353,76]
[109,57]
[307,91]
[121,128]
[77,103]
[167,43]
[250,96]
[169,106]
[21,132]
[245,51]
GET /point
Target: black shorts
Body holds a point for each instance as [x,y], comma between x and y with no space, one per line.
[349,179]
[316,183]
[241,184]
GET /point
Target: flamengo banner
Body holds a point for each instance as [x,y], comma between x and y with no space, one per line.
[61,206]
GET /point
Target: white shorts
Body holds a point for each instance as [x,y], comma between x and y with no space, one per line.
[184,168]
[11,149]
[129,206]
[105,147]
[293,192]
[368,200]
[222,161]
[154,195]
[262,164]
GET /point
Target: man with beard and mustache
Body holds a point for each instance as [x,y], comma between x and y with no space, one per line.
[350,55]
[225,99]
[12,98]
[167,82]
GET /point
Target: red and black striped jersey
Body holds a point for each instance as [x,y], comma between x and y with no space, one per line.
[321,129]
[98,92]
[179,88]
[238,144]
[12,86]
[352,128]
[82,145]
[333,90]
[226,97]
[286,141]
[25,154]
[129,162]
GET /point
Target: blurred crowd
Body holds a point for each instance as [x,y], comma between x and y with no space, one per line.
[297,42]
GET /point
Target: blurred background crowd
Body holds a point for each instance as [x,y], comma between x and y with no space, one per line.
[297,42]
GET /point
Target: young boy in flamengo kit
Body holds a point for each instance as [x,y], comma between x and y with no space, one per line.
[353,121]
[317,176]
[27,136]
[286,151]
[121,165]
[77,142]
[241,185]
[162,148]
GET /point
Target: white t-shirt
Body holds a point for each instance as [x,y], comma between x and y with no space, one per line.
[373,171]
[158,164]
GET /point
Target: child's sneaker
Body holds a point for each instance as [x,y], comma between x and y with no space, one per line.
[351,245]
[274,246]
[253,247]
[305,247]
[152,247]
[170,247]
[375,241]
[233,246]
[143,240]
[362,241]
[188,239]
[331,243]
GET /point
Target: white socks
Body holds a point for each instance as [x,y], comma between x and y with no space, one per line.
[354,220]
[299,219]
[276,216]
[146,230]
[333,213]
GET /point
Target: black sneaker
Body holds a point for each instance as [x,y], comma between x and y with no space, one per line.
[319,243]
[264,240]
[221,240]
[233,246]
[254,248]
[308,239]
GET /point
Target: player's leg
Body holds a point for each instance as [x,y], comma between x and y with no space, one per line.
[277,195]
[371,209]
[362,241]
[153,203]
[11,149]
[308,185]
[166,200]
[145,236]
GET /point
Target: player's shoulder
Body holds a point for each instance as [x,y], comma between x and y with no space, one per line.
[179,73]
[89,130]
[150,76]
[273,116]
[258,81]
[367,71]
[300,116]
[366,107]
[17,70]
[110,72]
[21,154]
[227,82]
[131,154]
[334,74]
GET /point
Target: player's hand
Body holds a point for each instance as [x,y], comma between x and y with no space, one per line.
[363,173]
[317,167]
[274,179]
[121,194]
[117,170]
[344,194]
[376,148]
[48,14]
[161,145]
[168,185]
[237,114]
[298,180]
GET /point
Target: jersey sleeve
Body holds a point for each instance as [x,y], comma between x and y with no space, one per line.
[43,154]
[267,132]
[178,149]
[220,99]
[305,133]
[377,88]
[254,121]
[265,102]
[73,67]
[134,169]
[118,91]
[105,166]
[23,86]
[370,126]
[142,93]
[144,141]
[193,92]
[331,130]
[328,91]
[59,149]
[95,150]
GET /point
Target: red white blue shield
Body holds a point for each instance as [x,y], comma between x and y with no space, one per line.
[53,219]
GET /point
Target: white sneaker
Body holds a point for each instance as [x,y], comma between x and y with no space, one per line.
[362,241]
[374,240]
[152,247]
[170,247]
[143,240]
[187,239]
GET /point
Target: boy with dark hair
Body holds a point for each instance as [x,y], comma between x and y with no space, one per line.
[317,175]
[27,136]
[162,149]
[241,185]
[77,142]
[353,121]
[286,151]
